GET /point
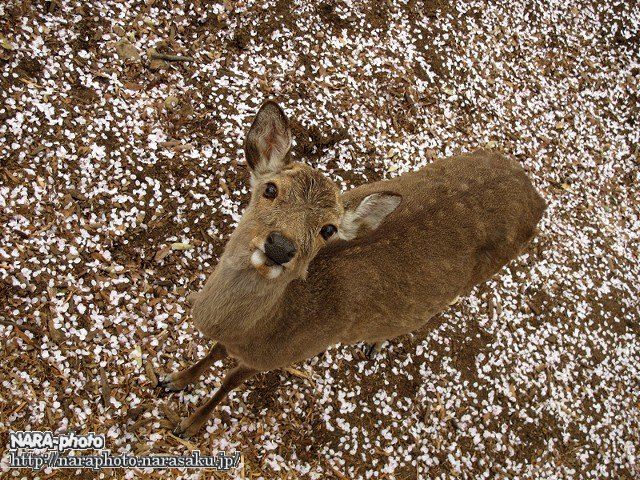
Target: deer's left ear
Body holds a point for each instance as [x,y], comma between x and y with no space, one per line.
[367,215]
[268,140]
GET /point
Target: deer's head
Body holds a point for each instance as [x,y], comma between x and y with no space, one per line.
[294,209]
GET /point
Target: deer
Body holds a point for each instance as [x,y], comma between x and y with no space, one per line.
[309,267]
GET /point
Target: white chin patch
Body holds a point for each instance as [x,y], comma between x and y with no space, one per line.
[274,271]
[260,260]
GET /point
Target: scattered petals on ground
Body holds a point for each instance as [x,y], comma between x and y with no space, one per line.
[121,176]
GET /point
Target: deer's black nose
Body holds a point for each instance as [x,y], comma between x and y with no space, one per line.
[279,248]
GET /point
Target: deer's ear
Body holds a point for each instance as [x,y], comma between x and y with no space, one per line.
[268,141]
[367,215]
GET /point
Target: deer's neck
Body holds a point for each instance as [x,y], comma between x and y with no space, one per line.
[234,301]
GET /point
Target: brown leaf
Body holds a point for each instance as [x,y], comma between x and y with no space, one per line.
[141,422]
[105,388]
[148,367]
[170,414]
[225,188]
[56,335]
[127,51]
[135,412]
[132,86]
[162,253]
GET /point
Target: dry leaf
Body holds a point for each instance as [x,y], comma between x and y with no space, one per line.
[163,252]
[299,373]
[105,388]
[56,335]
[151,374]
[127,51]
[170,414]
[6,44]
[181,246]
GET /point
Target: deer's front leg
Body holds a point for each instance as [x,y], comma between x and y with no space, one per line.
[191,425]
[179,380]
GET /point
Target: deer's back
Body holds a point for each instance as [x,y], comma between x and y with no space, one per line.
[460,220]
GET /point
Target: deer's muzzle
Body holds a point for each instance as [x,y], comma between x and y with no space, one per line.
[279,248]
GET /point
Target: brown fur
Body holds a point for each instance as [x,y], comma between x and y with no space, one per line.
[458,222]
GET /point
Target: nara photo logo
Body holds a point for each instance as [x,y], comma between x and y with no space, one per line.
[36,450]
[49,441]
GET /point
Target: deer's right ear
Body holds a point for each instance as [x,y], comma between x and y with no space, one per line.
[268,141]
[367,215]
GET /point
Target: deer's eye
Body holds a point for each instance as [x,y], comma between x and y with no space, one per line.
[270,191]
[327,231]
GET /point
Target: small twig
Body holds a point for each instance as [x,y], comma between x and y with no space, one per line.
[299,373]
[171,58]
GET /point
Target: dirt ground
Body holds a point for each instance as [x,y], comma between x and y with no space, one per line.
[121,176]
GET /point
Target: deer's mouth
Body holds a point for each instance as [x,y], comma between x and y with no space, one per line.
[265,266]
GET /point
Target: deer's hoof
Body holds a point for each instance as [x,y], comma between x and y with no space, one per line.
[169,384]
[186,429]
[370,350]
[178,432]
